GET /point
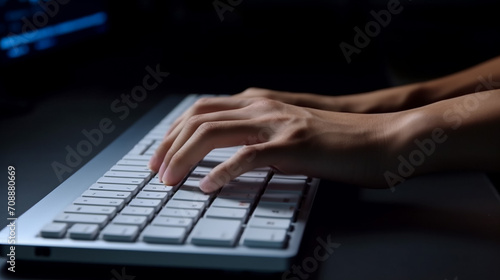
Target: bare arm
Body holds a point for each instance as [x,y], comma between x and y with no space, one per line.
[482,77]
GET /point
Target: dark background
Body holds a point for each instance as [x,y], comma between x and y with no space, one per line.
[286,45]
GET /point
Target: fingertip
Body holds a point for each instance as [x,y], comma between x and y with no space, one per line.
[208,186]
[153,163]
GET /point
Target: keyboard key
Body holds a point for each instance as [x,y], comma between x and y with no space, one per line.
[185,204]
[232,203]
[88,209]
[154,203]
[129,174]
[148,212]
[281,198]
[71,219]
[139,221]
[216,232]
[262,237]
[137,157]
[180,213]
[162,234]
[286,185]
[54,230]
[113,232]
[162,196]
[100,201]
[290,177]
[269,223]
[131,168]
[158,188]
[83,231]
[226,213]
[121,181]
[192,195]
[173,222]
[274,211]
[107,194]
[114,187]
[133,162]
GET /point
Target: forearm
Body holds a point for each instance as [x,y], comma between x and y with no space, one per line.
[484,76]
[460,133]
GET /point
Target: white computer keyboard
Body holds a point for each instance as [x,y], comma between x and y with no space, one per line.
[122,214]
[129,203]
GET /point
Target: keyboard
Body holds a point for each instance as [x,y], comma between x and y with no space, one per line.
[254,222]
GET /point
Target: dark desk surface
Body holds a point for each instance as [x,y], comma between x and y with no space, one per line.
[437,231]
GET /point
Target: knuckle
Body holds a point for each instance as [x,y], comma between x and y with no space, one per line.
[194,121]
[206,128]
[268,105]
[202,102]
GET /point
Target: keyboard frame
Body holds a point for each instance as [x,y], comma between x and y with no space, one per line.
[30,246]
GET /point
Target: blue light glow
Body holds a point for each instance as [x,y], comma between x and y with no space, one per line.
[16,40]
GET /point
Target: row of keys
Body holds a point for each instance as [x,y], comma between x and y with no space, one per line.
[125,203]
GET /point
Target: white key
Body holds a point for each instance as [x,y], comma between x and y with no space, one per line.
[269,223]
[139,221]
[274,211]
[83,231]
[114,187]
[132,162]
[263,237]
[290,177]
[237,195]
[128,174]
[281,198]
[148,212]
[71,219]
[156,181]
[286,185]
[122,181]
[107,194]
[161,234]
[155,203]
[54,230]
[158,188]
[113,232]
[212,161]
[226,213]
[90,209]
[216,232]
[131,168]
[191,195]
[162,196]
[180,213]
[100,201]
[256,174]
[185,204]
[232,203]
[172,222]
[137,157]
[200,171]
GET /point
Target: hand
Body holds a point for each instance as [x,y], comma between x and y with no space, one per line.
[293,140]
